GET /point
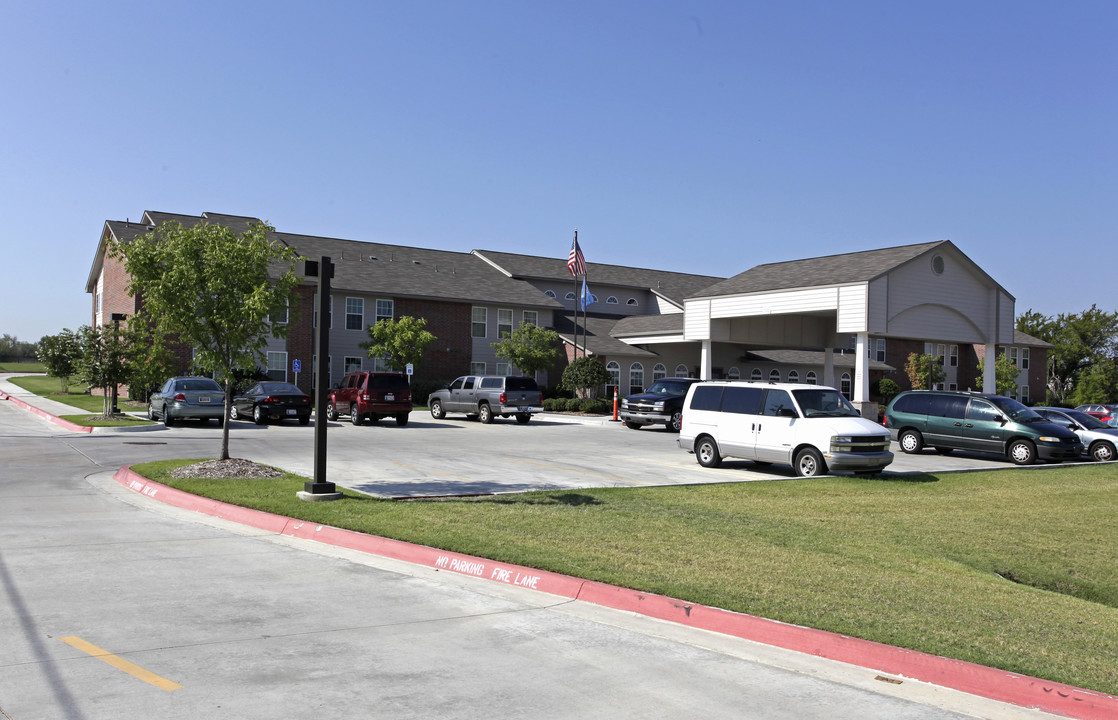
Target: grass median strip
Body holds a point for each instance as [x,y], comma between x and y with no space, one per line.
[1013,568]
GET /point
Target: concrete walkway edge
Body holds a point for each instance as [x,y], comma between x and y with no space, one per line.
[991,683]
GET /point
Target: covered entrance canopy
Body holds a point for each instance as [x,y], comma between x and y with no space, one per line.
[929,291]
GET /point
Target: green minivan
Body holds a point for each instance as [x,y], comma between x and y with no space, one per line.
[955,420]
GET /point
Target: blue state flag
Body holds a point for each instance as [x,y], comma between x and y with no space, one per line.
[587,298]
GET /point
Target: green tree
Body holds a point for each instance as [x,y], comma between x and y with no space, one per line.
[529,348]
[887,389]
[584,376]
[60,354]
[1005,374]
[149,359]
[215,290]
[102,364]
[1097,384]
[924,371]
[399,341]
[1079,341]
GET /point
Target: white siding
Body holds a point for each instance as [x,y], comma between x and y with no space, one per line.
[852,312]
[956,304]
[784,302]
[696,323]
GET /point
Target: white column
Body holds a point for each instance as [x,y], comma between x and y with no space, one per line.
[862,370]
[705,361]
[989,374]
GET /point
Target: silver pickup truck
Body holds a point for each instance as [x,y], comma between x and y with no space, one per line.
[487,396]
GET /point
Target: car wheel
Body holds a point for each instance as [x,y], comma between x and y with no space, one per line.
[706,451]
[168,421]
[485,414]
[233,414]
[331,411]
[1102,452]
[437,411]
[1022,452]
[676,422]
[305,419]
[809,463]
[402,419]
[523,418]
[911,442]
[354,416]
[257,415]
[633,425]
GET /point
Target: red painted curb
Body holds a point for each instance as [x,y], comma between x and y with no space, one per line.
[46,415]
[1000,685]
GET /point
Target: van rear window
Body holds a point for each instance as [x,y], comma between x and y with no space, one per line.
[520,383]
[707,397]
[918,404]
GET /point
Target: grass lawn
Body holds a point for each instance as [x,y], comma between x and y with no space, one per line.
[51,388]
[22,367]
[1015,569]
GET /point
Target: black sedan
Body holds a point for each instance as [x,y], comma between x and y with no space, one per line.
[266,401]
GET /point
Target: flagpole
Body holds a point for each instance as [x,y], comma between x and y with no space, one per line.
[576,305]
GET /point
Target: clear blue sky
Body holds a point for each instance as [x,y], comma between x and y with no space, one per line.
[703,137]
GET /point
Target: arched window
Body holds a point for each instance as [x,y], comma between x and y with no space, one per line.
[631,301]
[755,375]
[614,371]
[793,376]
[733,373]
[569,296]
[659,371]
[611,300]
[811,378]
[681,370]
[774,375]
[549,293]
[636,378]
[844,385]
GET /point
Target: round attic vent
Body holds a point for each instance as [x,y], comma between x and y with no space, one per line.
[937,264]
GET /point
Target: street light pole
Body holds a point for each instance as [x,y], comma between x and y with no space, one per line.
[321,489]
[117,319]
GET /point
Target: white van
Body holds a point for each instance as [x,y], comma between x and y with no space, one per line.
[810,427]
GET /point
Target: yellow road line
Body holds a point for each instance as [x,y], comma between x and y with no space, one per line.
[574,470]
[120,663]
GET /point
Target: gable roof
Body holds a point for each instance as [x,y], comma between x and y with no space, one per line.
[594,334]
[671,285]
[829,270]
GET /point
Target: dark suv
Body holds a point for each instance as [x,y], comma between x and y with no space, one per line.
[662,403]
[370,395]
[952,420]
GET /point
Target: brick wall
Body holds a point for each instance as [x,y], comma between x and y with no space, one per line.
[449,356]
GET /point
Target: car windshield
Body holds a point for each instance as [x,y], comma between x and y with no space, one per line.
[824,402]
[668,387]
[1088,421]
[279,387]
[198,385]
[1015,410]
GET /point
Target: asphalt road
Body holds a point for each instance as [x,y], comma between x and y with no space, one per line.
[113,605]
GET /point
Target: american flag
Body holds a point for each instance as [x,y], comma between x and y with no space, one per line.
[576,263]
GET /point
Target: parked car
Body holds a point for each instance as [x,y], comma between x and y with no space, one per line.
[1099,439]
[810,427]
[1107,413]
[187,397]
[370,396]
[955,420]
[661,403]
[487,396]
[268,400]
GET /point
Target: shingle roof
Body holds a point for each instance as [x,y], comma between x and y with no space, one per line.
[813,272]
[667,324]
[594,335]
[672,285]
[809,357]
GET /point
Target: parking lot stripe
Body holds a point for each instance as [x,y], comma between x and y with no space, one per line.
[120,663]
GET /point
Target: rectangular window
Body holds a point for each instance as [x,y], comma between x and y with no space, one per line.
[1023,391]
[1011,352]
[477,368]
[954,356]
[354,313]
[940,352]
[352,364]
[879,352]
[314,369]
[280,316]
[1024,358]
[480,320]
[504,323]
[531,317]
[277,366]
[502,369]
[385,310]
